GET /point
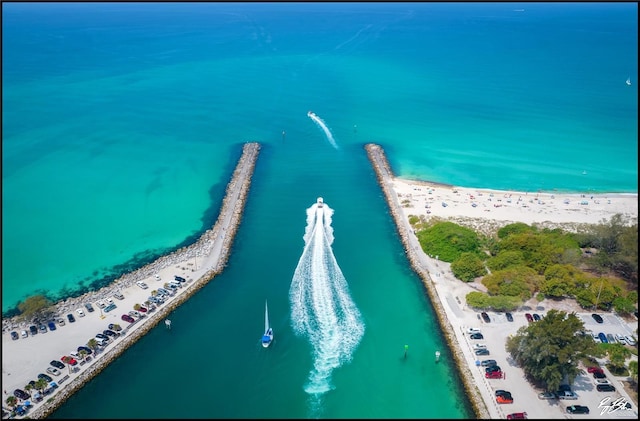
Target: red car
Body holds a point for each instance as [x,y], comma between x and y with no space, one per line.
[594,370]
[504,399]
[517,416]
[128,318]
[529,317]
[69,360]
[142,309]
[493,375]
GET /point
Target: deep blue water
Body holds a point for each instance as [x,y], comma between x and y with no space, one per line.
[122,123]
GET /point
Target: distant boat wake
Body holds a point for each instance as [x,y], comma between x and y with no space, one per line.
[324,128]
[321,307]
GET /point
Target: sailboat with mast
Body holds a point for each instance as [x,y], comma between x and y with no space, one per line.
[267,338]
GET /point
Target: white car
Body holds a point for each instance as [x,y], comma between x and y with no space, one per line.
[101,304]
[602,381]
[61,321]
[620,338]
[53,370]
[142,285]
[473,330]
[24,333]
[479,346]
[630,341]
[80,312]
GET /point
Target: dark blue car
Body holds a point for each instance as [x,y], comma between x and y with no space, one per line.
[603,338]
[52,326]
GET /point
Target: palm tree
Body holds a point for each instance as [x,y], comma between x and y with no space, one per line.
[41,384]
[117,327]
[28,388]
[66,359]
[93,344]
[136,307]
[12,401]
[83,354]
[154,293]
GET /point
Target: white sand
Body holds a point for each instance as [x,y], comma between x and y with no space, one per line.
[499,208]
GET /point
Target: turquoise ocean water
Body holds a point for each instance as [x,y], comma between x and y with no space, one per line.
[122,123]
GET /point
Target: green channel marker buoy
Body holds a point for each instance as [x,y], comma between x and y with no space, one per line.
[406,348]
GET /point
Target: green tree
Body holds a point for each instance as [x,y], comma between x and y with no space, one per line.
[41,384]
[476,299]
[12,401]
[618,355]
[93,344]
[505,259]
[83,354]
[633,371]
[136,307]
[28,388]
[448,240]
[468,267]
[550,349]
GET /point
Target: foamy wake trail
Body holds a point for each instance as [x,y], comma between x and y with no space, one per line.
[324,128]
[321,307]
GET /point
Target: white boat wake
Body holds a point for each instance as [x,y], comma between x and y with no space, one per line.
[324,128]
[321,307]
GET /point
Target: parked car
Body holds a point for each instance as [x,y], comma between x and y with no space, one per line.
[611,338]
[135,314]
[24,333]
[102,336]
[517,416]
[57,364]
[602,381]
[109,333]
[44,376]
[33,329]
[53,370]
[42,329]
[21,394]
[492,368]
[493,375]
[485,317]
[101,304]
[577,409]
[597,318]
[142,285]
[603,338]
[620,338]
[476,336]
[61,321]
[69,360]
[605,388]
[118,295]
[52,326]
[547,395]
[599,375]
[630,341]
[14,335]
[71,318]
[179,278]
[529,317]
[86,349]
[566,394]
[89,307]
[510,319]
[487,363]
[479,346]
[110,307]
[128,318]
[143,309]
[80,312]
[482,351]
[594,369]
[473,330]
[504,399]
[536,317]
[114,327]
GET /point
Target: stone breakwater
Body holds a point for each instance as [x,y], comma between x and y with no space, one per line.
[381,166]
[232,205]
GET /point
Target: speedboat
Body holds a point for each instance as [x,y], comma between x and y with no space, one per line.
[311,114]
[319,202]
[267,338]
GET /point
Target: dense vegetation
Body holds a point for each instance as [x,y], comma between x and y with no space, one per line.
[598,267]
[550,350]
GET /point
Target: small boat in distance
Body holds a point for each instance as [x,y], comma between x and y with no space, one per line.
[311,114]
[319,202]
[628,81]
[267,338]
